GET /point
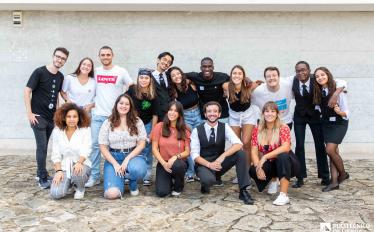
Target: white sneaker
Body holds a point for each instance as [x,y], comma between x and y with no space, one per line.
[273,187]
[78,194]
[134,193]
[91,182]
[282,199]
[235,180]
[175,193]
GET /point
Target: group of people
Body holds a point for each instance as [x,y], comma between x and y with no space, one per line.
[197,125]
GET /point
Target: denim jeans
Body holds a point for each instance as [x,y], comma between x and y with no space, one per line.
[136,170]
[42,131]
[192,118]
[147,152]
[95,157]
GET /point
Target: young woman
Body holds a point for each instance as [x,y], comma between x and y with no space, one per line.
[171,147]
[187,95]
[79,87]
[143,95]
[334,124]
[271,153]
[122,137]
[70,150]
[243,115]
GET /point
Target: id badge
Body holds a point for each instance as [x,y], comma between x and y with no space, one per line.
[202,88]
[332,119]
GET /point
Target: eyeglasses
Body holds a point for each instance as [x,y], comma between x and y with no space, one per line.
[60,57]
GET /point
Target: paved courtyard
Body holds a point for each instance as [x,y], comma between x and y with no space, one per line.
[25,207]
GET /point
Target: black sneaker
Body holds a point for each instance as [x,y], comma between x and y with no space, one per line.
[205,189]
[218,183]
[44,183]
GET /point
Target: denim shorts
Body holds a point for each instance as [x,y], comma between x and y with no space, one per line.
[192,117]
[250,116]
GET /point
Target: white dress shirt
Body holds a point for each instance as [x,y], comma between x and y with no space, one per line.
[307,86]
[156,75]
[68,151]
[230,136]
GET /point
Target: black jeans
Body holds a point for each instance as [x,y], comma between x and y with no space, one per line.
[319,145]
[164,179]
[209,177]
[282,166]
[42,132]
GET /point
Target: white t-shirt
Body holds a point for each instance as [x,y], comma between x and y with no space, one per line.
[282,98]
[79,94]
[109,85]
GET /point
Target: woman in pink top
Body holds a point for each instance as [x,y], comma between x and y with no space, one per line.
[271,154]
[171,147]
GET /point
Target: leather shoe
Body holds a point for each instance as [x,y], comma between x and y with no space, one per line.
[343,178]
[330,187]
[325,182]
[205,189]
[246,197]
[298,183]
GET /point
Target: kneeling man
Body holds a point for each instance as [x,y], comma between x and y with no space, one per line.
[211,159]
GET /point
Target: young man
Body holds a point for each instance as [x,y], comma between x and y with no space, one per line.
[111,81]
[209,86]
[276,89]
[208,151]
[164,61]
[44,85]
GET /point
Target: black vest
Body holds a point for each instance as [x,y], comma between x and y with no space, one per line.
[163,99]
[210,152]
[328,112]
[304,104]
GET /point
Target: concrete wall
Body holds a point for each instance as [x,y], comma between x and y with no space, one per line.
[342,41]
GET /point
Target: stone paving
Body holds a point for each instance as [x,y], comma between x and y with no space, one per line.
[25,207]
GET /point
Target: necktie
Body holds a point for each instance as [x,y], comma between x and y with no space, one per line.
[305,91]
[212,136]
[162,81]
[324,93]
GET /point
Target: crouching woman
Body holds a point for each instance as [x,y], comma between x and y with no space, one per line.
[271,154]
[70,150]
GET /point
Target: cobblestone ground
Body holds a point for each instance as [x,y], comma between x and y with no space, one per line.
[25,207]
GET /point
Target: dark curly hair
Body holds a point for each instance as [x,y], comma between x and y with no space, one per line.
[60,116]
[131,116]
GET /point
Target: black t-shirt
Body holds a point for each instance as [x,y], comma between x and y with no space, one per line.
[239,107]
[146,108]
[188,99]
[211,90]
[45,89]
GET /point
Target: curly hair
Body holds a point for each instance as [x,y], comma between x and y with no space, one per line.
[60,116]
[131,116]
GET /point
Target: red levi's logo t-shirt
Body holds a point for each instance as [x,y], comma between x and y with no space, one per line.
[104,79]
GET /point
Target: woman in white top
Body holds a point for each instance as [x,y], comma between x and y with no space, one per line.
[122,137]
[334,124]
[79,87]
[70,150]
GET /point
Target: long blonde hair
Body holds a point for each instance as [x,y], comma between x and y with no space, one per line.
[262,135]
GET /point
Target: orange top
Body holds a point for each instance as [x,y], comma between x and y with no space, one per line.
[169,146]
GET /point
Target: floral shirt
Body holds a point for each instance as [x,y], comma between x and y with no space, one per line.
[284,136]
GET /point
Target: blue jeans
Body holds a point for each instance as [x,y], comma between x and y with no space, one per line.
[192,118]
[136,170]
[95,157]
[147,152]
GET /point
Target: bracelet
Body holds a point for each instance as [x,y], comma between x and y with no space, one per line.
[59,170]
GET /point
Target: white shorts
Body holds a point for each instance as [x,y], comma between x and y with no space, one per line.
[250,116]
